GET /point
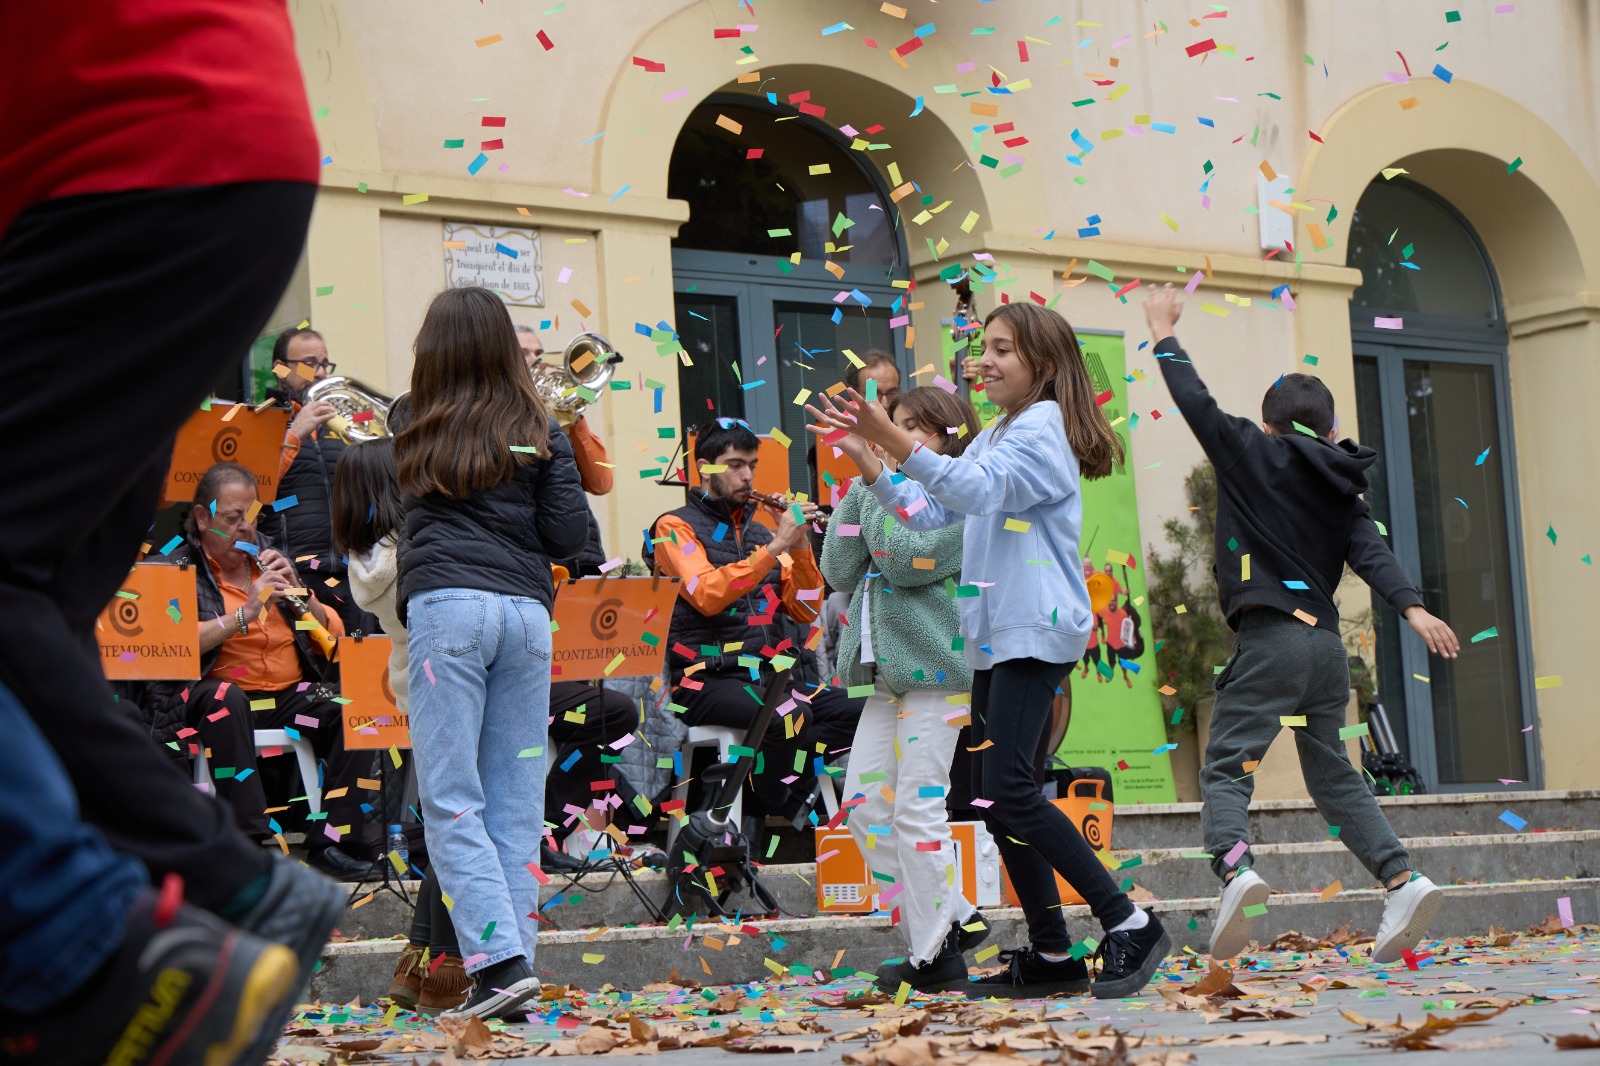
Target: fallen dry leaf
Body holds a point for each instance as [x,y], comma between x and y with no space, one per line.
[1578,1041]
[1262,1038]
[772,1044]
[469,1033]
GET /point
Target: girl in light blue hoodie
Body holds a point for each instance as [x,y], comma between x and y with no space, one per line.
[1016,487]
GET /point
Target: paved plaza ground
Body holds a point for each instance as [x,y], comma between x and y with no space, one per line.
[1501,998]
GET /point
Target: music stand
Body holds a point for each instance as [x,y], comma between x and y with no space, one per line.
[392,883]
[708,834]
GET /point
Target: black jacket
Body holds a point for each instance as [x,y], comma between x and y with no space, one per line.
[1292,503]
[307,528]
[501,540]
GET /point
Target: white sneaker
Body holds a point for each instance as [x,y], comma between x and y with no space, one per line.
[1231,934]
[1406,914]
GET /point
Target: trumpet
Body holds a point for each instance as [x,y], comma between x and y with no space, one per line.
[780,504]
[586,365]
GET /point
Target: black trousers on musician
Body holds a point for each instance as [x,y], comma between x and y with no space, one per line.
[579,774]
[117,313]
[226,726]
[830,720]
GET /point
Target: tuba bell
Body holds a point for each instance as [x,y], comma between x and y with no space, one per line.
[586,366]
[353,400]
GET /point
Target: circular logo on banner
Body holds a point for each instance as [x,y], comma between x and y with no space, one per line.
[125,617]
[388,691]
[225,445]
[603,623]
[1092,831]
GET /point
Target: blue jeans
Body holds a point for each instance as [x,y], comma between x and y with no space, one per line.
[64,894]
[480,706]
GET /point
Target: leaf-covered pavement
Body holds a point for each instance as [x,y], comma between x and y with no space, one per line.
[1487,998]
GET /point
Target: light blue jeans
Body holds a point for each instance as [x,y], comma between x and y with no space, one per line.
[480,710]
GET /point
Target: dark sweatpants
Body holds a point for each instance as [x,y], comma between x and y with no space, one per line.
[117,312]
[1011,706]
[1281,667]
[830,720]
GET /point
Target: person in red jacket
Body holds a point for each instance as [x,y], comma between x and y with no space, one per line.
[157,171]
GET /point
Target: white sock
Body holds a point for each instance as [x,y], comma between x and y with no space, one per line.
[1047,957]
[1137,920]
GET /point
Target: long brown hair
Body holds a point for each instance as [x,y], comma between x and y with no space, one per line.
[472,400]
[932,406]
[1049,349]
[366,501]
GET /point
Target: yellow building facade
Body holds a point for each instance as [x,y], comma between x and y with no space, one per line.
[1153,129]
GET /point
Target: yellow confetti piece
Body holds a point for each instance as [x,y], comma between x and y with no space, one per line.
[1120,558]
[800,400]
[1017,525]
[855,360]
[901,994]
[263,705]
[1419,677]
[780,436]
[414,198]
[484,42]
[592,958]
[776,968]
[449,904]
[821,168]
[987,953]
[1181,609]
[968,222]
[1244,567]
[1549,681]
[1212,309]
[1170,221]
[614,663]
[1292,720]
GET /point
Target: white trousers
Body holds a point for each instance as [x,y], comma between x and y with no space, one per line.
[903,745]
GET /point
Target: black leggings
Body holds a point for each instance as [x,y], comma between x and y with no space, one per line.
[1011,706]
[431,927]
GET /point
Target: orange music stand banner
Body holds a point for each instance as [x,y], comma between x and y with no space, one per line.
[372,718]
[611,627]
[833,470]
[227,433]
[772,472]
[150,631]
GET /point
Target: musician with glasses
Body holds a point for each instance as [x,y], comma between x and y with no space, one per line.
[738,577]
[305,472]
[259,671]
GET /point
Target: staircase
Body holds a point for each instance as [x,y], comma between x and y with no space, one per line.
[1492,875]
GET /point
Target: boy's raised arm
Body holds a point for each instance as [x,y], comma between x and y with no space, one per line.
[1223,436]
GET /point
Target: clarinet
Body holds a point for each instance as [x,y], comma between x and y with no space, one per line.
[302,610]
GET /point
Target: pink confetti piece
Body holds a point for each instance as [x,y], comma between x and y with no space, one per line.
[538,874]
[1236,852]
[1388,323]
[1564,909]
[622,742]
[1194,282]
[479,957]
[565,276]
[427,668]
[610,565]
[307,721]
[983,803]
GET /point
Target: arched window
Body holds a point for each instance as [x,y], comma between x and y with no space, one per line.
[1416,255]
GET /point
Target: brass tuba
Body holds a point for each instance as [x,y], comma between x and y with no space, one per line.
[587,364]
[352,398]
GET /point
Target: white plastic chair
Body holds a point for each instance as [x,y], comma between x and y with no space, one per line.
[275,738]
[720,737]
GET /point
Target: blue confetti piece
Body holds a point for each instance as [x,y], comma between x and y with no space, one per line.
[720,532]
[1296,585]
[837,27]
[1163,127]
[478,163]
[1462,502]
[570,760]
[618,194]
[838,316]
[1165,748]
[510,253]
[1442,74]
[166,549]
[246,547]
[246,772]
[1089,231]
[1519,824]
[930,791]
[916,110]
[641,329]
[1093,220]
[1482,457]
[925,30]
[1082,142]
[861,298]
[677,764]
[285,503]
[1206,122]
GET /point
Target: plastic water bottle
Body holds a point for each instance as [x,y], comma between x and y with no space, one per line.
[397,845]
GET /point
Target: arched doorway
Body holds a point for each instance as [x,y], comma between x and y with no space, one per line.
[788,259]
[1433,397]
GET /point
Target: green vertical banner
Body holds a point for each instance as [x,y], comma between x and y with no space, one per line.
[1117,722]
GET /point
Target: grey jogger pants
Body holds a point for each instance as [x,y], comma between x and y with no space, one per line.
[1282,666]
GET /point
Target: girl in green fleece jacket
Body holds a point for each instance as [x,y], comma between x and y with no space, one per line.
[898,637]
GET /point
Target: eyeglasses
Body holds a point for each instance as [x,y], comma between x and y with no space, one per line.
[314,364]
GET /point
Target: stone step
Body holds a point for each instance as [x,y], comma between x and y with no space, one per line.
[629,958]
[605,899]
[1177,825]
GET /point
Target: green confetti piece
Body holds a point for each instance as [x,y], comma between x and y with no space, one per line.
[1333,831]
[324,290]
[534,753]
[1492,631]
[488,931]
[1350,731]
[1452,16]
[1511,167]
[1255,910]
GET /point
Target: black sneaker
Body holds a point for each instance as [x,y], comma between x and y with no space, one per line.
[942,973]
[1027,976]
[1130,958]
[184,990]
[298,910]
[552,860]
[972,932]
[499,990]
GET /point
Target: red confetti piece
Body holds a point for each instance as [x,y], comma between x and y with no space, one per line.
[494,120]
[168,901]
[544,39]
[1207,45]
[650,65]
[1103,398]
[491,146]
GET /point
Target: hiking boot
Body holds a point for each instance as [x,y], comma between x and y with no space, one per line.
[444,987]
[1129,958]
[182,989]
[498,990]
[406,985]
[944,972]
[1232,932]
[972,932]
[1407,910]
[1029,976]
[298,910]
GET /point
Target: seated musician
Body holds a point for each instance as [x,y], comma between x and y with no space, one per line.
[737,576]
[258,672]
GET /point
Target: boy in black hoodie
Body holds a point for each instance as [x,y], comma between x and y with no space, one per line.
[1289,516]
